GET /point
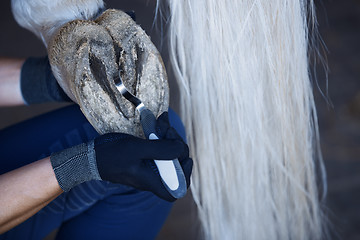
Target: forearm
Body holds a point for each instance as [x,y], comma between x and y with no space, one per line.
[10,70]
[25,191]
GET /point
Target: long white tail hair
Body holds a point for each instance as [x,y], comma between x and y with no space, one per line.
[242,67]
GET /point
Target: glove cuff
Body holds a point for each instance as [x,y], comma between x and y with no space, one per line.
[37,83]
[75,165]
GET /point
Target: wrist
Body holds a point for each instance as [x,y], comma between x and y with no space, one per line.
[75,165]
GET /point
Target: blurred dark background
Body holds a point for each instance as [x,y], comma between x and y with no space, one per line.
[339,25]
[339,110]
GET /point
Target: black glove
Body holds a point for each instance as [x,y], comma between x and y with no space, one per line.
[38,84]
[122,158]
[165,131]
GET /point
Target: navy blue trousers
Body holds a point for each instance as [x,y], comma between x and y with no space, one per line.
[92,210]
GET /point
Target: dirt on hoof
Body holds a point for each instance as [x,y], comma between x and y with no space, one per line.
[86,57]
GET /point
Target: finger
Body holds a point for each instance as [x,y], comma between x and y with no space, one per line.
[185,154]
[162,124]
[151,181]
[164,117]
[173,134]
[161,149]
[187,166]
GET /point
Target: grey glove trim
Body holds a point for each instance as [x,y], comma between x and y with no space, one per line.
[75,165]
[92,161]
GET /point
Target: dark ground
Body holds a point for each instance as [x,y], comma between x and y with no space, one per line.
[339,24]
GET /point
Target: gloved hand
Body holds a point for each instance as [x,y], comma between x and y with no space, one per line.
[122,158]
[38,84]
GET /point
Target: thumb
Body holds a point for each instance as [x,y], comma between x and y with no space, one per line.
[162,149]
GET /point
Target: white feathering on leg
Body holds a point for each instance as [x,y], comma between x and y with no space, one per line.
[44,17]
